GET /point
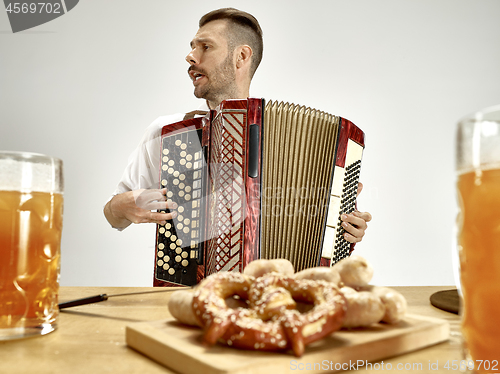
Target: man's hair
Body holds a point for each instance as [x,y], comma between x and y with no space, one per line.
[243,29]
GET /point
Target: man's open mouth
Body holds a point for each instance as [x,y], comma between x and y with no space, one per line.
[195,76]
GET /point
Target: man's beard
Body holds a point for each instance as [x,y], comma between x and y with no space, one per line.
[221,85]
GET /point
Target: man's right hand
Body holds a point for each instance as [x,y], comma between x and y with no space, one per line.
[139,207]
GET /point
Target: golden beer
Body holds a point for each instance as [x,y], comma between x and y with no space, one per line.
[31,204]
[478,190]
[480,264]
[30,236]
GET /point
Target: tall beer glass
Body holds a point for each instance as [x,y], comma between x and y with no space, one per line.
[31,208]
[478,190]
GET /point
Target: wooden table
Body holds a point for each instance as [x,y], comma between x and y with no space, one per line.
[90,339]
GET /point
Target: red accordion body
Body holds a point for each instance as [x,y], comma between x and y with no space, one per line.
[222,171]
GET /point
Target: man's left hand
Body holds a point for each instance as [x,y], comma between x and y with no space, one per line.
[355,223]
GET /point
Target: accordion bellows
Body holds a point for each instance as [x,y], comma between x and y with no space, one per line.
[297,174]
[255,182]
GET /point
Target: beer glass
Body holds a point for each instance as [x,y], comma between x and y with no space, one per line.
[31,208]
[478,192]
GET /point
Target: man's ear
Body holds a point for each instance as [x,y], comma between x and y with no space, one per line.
[244,56]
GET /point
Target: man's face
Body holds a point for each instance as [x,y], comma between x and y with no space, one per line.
[211,65]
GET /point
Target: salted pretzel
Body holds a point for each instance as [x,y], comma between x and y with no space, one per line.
[269,323]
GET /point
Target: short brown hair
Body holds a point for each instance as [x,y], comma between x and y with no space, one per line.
[244,29]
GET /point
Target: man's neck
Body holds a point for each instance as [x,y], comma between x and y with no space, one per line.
[212,104]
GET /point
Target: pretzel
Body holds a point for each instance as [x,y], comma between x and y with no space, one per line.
[180,307]
[269,324]
[363,308]
[209,305]
[328,274]
[258,268]
[355,271]
[395,303]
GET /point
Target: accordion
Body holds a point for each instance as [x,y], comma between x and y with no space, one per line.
[255,180]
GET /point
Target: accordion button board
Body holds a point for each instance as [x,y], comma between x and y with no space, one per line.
[179,241]
[342,201]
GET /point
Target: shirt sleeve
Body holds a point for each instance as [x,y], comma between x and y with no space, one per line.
[142,170]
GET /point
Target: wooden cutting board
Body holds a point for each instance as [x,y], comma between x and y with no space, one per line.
[179,347]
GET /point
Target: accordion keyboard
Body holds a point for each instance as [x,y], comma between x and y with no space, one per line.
[179,241]
[342,201]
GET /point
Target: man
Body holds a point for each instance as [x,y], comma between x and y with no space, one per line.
[225,53]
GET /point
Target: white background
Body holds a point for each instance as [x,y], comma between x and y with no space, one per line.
[85,86]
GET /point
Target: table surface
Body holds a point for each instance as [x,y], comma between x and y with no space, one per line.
[91,338]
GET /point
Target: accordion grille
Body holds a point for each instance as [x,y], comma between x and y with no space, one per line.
[226,230]
[298,164]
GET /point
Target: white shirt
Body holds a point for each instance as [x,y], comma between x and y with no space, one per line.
[143,167]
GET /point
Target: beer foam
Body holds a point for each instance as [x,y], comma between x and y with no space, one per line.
[38,173]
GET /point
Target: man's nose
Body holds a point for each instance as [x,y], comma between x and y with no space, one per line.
[191,58]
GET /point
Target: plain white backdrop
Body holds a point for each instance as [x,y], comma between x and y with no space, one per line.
[84,87]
